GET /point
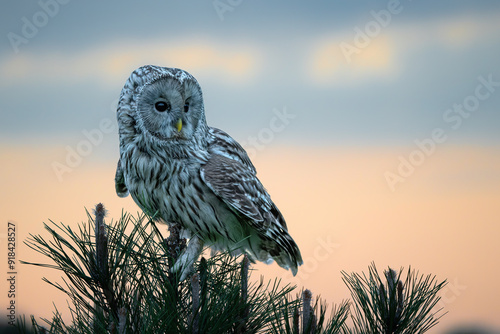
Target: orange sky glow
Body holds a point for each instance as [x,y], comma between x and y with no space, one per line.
[442,220]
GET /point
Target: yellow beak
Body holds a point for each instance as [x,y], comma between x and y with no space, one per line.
[179,125]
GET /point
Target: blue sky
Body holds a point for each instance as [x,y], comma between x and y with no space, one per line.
[261,56]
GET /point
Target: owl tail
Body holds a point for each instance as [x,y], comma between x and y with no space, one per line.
[280,248]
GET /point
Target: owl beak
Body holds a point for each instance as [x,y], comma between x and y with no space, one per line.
[179,125]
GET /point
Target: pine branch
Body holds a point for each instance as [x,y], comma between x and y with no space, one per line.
[393,307]
[118,279]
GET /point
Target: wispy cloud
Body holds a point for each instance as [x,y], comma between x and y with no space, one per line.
[328,64]
[354,55]
[111,64]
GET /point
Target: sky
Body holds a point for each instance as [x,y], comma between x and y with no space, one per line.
[374,125]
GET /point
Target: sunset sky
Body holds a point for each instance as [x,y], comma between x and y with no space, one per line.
[374,125]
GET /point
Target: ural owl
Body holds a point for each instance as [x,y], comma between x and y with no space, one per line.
[175,165]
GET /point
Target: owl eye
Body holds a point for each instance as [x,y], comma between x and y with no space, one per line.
[161,106]
[186,107]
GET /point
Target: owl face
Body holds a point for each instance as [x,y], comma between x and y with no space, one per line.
[171,109]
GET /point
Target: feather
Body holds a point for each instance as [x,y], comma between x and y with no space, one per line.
[181,170]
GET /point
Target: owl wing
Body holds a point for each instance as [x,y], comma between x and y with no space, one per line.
[239,188]
[223,144]
[234,184]
[232,177]
[120,187]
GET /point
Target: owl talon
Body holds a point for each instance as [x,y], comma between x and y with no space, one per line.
[184,264]
[185,271]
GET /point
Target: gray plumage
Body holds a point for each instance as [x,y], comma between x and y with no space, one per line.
[175,165]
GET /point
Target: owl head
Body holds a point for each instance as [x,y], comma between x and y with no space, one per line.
[166,104]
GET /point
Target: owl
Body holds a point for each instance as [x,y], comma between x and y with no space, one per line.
[185,172]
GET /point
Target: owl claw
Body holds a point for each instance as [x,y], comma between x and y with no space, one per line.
[184,264]
[184,269]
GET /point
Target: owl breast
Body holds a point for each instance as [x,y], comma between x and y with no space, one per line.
[172,190]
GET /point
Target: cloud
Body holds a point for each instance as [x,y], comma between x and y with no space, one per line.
[452,32]
[111,64]
[329,64]
[355,55]
[463,31]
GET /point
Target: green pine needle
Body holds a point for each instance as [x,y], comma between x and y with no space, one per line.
[118,280]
